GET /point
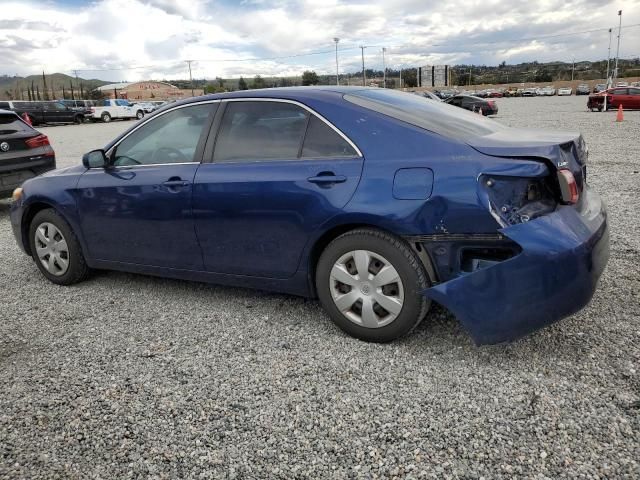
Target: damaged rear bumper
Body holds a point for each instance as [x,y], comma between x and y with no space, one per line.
[555,275]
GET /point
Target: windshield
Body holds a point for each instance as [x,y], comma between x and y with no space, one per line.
[437,117]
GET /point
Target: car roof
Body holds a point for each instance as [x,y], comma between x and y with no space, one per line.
[291,93]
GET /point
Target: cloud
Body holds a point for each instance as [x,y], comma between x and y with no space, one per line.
[137,39]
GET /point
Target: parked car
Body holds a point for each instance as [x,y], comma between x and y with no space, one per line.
[622,84]
[565,91]
[548,91]
[429,95]
[583,89]
[111,109]
[146,106]
[629,98]
[83,106]
[296,195]
[600,87]
[44,112]
[24,152]
[529,92]
[474,104]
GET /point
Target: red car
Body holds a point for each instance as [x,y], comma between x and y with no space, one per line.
[628,97]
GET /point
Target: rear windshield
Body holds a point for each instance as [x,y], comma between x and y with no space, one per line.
[10,123]
[437,117]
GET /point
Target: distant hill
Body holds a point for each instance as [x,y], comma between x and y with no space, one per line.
[16,87]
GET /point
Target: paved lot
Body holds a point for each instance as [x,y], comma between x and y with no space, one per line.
[125,376]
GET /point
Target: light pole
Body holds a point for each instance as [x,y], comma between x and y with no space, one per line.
[618,49]
[400,77]
[364,75]
[609,59]
[190,77]
[336,39]
[384,69]
[573,68]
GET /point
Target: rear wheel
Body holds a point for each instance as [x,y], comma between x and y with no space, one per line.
[370,284]
[106,118]
[55,249]
[79,119]
[139,114]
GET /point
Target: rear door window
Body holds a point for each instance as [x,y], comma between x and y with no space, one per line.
[254,131]
[322,141]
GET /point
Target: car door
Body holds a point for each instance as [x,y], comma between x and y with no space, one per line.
[138,210]
[276,174]
[634,97]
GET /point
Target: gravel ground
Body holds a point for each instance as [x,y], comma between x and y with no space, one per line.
[129,376]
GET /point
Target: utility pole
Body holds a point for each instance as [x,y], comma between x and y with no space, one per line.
[573,67]
[609,59]
[364,75]
[618,49]
[469,76]
[190,77]
[336,39]
[400,76]
[384,69]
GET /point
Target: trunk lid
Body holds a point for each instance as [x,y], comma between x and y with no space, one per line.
[560,149]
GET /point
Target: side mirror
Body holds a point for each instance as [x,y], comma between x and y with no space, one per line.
[95,159]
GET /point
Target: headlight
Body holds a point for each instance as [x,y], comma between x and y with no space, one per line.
[17,194]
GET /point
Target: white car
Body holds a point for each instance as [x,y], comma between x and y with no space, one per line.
[565,91]
[549,91]
[110,109]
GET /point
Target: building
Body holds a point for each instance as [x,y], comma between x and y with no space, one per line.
[148,90]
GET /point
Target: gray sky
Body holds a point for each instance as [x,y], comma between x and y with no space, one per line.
[249,37]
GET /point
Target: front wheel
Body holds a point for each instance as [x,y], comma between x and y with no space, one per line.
[106,118]
[139,114]
[55,249]
[370,283]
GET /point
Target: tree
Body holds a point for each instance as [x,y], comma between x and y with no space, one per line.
[258,82]
[285,82]
[410,77]
[38,93]
[310,77]
[44,88]
[29,93]
[72,95]
[242,85]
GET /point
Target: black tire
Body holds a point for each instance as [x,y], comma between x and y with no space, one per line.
[106,118]
[400,255]
[139,114]
[79,119]
[77,269]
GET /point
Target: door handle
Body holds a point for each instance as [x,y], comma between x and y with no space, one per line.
[327,178]
[175,183]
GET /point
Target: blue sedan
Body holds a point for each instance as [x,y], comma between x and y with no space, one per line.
[377,202]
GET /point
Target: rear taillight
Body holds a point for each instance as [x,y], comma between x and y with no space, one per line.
[39,141]
[568,186]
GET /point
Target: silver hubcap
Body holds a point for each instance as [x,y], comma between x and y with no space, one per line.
[52,249]
[366,288]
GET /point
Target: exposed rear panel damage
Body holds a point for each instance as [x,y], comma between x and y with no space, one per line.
[555,274]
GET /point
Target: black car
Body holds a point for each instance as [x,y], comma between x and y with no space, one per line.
[24,152]
[45,112]
[475,104]
[583,89]
[428,95]
[82,106]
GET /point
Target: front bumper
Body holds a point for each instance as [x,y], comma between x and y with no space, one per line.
[555,275]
